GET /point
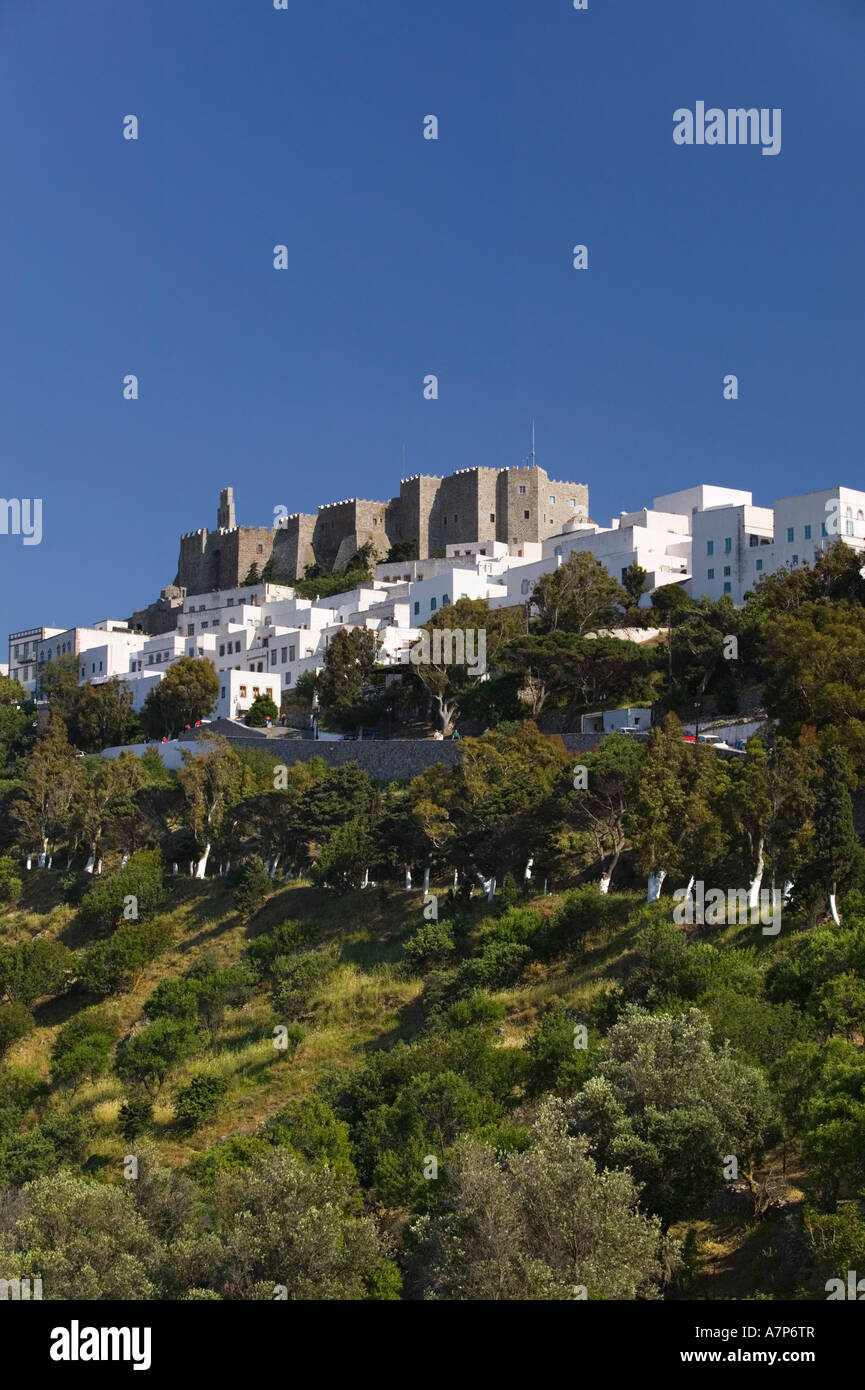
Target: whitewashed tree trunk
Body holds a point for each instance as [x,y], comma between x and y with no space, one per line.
[69,859]
[124,859]
[456,879]
[174,869]
[604,882]
[192,868]
[833,907]
[100,866]
[30,861]
[201,868]
[527,872]
[407,879]
[50,861]
[426,880]
[491,889]
[90,865]
[365,878]
[656,883]
[757,880]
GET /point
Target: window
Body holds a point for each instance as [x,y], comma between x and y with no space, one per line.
[791,533]
[492,516]
[273,657]
[222,649]
[710,574]
[456,518]
[522,490]
[727,571]
[291,653]
[222,692]
[807,533]
[256,690]
[728,588]
[445,521]
[445,600]
[229,603]
[795,559]
[526,515]
[558,550]
[524,587]
[204,625]
[759,564]
[283,655]
[242,692]
[572,501]
[753,540]
[728,544]
[552,501]
[822,528]
[710,547]
[259,550]
[848,528]
[202,607]
[417,608]
[432,605]
[190,629]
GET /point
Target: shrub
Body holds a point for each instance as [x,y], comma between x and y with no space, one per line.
[10,883]
[429,947]
[109,967]
[148,1056]
[252,888]
[135,1117]
[81,1050]
[16,1021]
[199,1101]
[297,977]
[141,878]
[34,969]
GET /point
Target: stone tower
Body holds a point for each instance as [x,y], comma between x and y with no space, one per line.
[225,518]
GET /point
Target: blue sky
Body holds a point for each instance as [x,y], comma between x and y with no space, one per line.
[407,256]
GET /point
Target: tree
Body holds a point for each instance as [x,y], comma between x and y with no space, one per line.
[100,716]
[343,862]
[82,1049]
[16,1021]
[348,665]
[84,1238]
[253,886]
[213,783]
[34,969]
[17,721]
[634,582]
[186,694]
[655,815]
[536,1225]
[252,576]
[52,785]
[403,550]
[451,685]
[261,709]
[837,851]
[602,808]
[199,1100]
[147,1057]
[580,596]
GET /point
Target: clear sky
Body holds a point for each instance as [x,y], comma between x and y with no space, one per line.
[409,257]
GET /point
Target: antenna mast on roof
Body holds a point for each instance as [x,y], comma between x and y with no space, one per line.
[530,458]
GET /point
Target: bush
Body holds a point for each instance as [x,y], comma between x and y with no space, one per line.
[16,1021]
[148,1056]
[430,947]
[261,708]
[37,968]
[500,963]
[342,862]
[199,1101]
[10,883]
[82,1050]
[252,888]
[581,913]
[109,967]
[104,904]
[173,999]
[297,978]
[135,1117]
[70,1132]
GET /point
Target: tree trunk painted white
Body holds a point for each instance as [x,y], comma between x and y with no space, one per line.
[124,859]
[90,865]
[833,907]
[365,878]
[757,880]
[174,869]
[192,868]
[407,879]
[456,879]
[604,882]
[219,869]
[527,872]
[100,866]
[426,880]
[30,861]
[201,868]
[491,889]
[656,883]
